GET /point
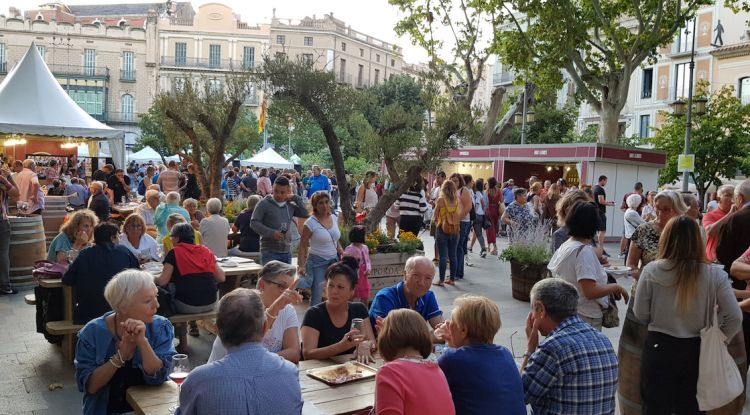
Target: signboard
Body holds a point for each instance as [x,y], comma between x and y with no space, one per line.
[686,163]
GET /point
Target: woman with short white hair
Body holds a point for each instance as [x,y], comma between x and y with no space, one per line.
[214,228]
[171,205]
[632,218]
[196,216]
[128,346]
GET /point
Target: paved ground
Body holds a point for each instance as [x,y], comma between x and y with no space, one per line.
[29,364]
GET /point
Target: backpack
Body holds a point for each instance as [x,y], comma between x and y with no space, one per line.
[451,223]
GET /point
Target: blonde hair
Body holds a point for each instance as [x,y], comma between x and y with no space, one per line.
[478,315]
[535,187]
[404,328]
[189,202]
[570,198]
[677,203]
[174,219]
[125,285]
[70,228]
[134,218]
[448,191]
[681,244]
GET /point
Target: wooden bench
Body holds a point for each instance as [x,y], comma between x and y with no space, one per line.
[68,328]
[29,299]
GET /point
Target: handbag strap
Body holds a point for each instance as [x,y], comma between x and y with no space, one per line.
[335,245]
[711,301]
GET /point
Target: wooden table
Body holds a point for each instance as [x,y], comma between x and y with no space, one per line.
[318,397]
[126,209]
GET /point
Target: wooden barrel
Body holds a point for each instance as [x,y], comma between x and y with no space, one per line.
[736,349]
[26,246]
[523,277]
[629,353]
[53,216]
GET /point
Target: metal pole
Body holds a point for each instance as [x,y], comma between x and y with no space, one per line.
[689,118]
[525,100]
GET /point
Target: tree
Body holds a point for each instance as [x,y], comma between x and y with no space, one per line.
[211,120]
[720,139]
[598,44]
[552,125]
[152,133]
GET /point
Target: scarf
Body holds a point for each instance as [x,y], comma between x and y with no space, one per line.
[194,259]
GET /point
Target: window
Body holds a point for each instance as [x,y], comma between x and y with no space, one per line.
[647,85]
[377,58]
[280,39]
[342,70]
[248,57]
[361,52]
[178,84]
[91,101]
[128,66]
[308,41]
[89,61]
[685,37]
[214,85]
[214,56]
[180,53]
[744,90]
[377,76]
[645,125]
[126,107]
[360,75]
[343,46]
[3,67]
[682,82]
[42,50]
[307,58]
[393,62]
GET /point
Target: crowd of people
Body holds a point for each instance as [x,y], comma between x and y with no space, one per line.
[682,264]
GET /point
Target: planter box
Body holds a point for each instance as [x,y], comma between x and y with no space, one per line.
[524,276]
[387,270]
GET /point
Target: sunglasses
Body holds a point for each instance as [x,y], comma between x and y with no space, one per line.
[281,285]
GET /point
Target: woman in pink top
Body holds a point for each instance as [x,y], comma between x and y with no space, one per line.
[409,383]
[359,250]
[265,187]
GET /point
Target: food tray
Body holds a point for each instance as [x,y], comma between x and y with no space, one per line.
[618,269]
[342,374]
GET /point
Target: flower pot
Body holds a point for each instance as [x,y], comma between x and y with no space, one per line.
[387,270]
[524,276]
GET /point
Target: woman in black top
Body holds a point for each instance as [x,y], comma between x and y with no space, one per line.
[326,328]
[249,239]
[93,268]
[191,184]
[194,272]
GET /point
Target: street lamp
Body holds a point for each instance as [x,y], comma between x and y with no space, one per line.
[524,117]
[689,120]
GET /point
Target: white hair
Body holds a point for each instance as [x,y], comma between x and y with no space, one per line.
[173,198]
[29,164]
[743,189]
[189,202]
[724,189]
[412,262]
[213,206]
[677,204]
[633,201]
[121,289]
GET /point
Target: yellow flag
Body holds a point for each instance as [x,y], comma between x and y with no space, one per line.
[262,120]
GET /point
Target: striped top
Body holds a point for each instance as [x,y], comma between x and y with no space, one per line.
[412,204]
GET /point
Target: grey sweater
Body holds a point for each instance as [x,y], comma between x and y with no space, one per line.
[656,299]
[268,218]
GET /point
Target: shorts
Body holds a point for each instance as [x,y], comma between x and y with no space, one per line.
[602,222]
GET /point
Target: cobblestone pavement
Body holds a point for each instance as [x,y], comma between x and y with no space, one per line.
[29,364]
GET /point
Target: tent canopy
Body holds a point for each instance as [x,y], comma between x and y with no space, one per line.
[295,159]
[145,155]
[268,158]
[33,102]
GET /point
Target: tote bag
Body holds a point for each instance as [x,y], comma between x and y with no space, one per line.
[719,380]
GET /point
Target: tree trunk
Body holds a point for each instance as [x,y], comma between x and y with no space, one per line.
[376,215]
[492,113]
[609,128]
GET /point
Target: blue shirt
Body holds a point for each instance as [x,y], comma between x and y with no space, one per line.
[80,198]
[508,195]
[392,298]
[319,182]
[61,243]
[162,213]
[573,371]
[96,345]
[249,380]
[483,379]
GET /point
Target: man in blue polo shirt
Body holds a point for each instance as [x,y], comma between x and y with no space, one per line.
[413,292]
[318,182]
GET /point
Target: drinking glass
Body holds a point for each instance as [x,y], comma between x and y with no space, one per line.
[72,254]
[178,373]
[359,324]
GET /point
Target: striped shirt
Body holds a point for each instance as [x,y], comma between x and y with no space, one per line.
[412,204]
[573,371]
[170,180]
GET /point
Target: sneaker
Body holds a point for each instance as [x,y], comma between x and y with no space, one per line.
[8,291]
[483,254]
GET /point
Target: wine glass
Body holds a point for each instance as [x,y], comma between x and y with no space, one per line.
[178,373]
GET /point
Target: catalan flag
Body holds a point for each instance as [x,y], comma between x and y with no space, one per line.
[262,120]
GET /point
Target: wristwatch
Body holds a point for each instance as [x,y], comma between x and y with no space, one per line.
[527,354]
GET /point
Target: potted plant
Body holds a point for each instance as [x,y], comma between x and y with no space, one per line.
[528,252]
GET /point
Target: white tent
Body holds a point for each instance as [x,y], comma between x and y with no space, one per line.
[145,155]
[33,102]
[295,159]
[268,158]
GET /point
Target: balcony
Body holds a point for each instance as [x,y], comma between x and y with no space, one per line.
[127,75]
[122,118]
[3,67]
[75,71]
[503,78]
[204,63]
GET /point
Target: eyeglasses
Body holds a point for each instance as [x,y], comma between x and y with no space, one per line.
[135,225]
[281,285]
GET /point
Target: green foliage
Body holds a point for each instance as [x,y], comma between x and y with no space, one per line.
[526,254]
[551,126]
[720,139]
[152,132]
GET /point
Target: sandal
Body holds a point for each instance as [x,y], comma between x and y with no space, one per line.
[450,282]
[439,284]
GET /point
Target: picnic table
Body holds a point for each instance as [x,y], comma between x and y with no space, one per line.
[319,397]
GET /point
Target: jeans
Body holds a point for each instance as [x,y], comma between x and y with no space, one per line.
[447,246]
[463,249]
[4,259]
[315,269]
[479,231]
[266,257]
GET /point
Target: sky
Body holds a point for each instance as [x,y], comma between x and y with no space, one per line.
[373,17]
